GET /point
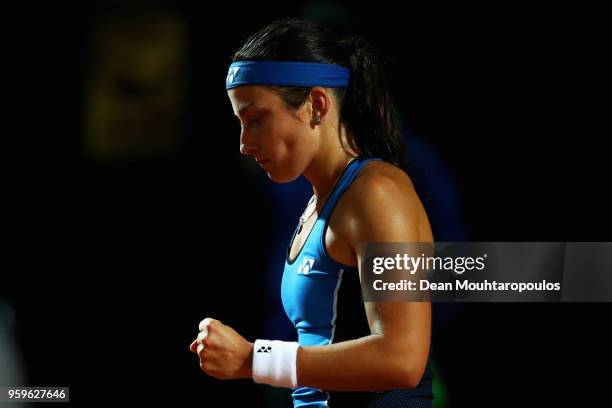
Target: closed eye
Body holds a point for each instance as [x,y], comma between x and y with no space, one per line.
[254,121]
[251,121]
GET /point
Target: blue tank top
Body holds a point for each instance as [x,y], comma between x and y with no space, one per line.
[322,298]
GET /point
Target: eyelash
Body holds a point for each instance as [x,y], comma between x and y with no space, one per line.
[253,121]
[250,122]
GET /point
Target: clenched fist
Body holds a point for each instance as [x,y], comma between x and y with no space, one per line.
[224,354]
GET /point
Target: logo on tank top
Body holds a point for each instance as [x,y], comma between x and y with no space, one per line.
[306,266]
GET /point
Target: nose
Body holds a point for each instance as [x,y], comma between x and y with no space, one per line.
[246,145]
[247,151]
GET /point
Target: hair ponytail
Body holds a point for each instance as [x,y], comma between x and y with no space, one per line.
[367,108]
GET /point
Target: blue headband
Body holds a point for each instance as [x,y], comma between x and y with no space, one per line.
[286,73]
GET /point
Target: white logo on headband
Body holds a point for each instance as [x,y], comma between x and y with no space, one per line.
[232,74]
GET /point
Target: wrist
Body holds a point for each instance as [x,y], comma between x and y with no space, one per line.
[246,371]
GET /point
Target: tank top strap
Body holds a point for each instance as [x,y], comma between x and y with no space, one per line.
[345,181]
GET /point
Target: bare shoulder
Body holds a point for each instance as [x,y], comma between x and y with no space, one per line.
[382,205]
[380,185]
[383,179]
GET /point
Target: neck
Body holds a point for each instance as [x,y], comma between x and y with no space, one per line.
[326,168]
[329,163]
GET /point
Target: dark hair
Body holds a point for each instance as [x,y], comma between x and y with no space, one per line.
[365,105]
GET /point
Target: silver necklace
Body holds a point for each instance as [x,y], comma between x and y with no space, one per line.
[310,209]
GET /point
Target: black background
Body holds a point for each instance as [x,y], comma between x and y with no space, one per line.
[110,267]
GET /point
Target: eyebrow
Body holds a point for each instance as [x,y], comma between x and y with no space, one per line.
[244,106]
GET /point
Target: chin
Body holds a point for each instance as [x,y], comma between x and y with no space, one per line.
[278,177]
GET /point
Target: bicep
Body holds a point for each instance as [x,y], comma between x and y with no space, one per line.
[405,332]
[403,324]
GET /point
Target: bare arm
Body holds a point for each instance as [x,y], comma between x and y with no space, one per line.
[394,355]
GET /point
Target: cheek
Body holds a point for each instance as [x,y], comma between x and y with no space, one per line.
[291,148]
[287,139]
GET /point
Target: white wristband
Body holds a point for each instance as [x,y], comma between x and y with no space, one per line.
[274,363]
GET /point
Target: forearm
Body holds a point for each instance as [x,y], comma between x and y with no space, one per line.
[370,363]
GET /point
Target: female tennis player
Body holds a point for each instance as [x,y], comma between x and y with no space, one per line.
[314,104]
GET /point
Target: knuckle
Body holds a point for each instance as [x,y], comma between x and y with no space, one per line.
[204,323]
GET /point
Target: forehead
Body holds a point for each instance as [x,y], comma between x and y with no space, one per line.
[245,97]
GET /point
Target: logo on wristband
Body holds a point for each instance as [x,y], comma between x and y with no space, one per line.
[265,349]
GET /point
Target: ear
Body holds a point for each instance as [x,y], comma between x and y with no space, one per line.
[320,100]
